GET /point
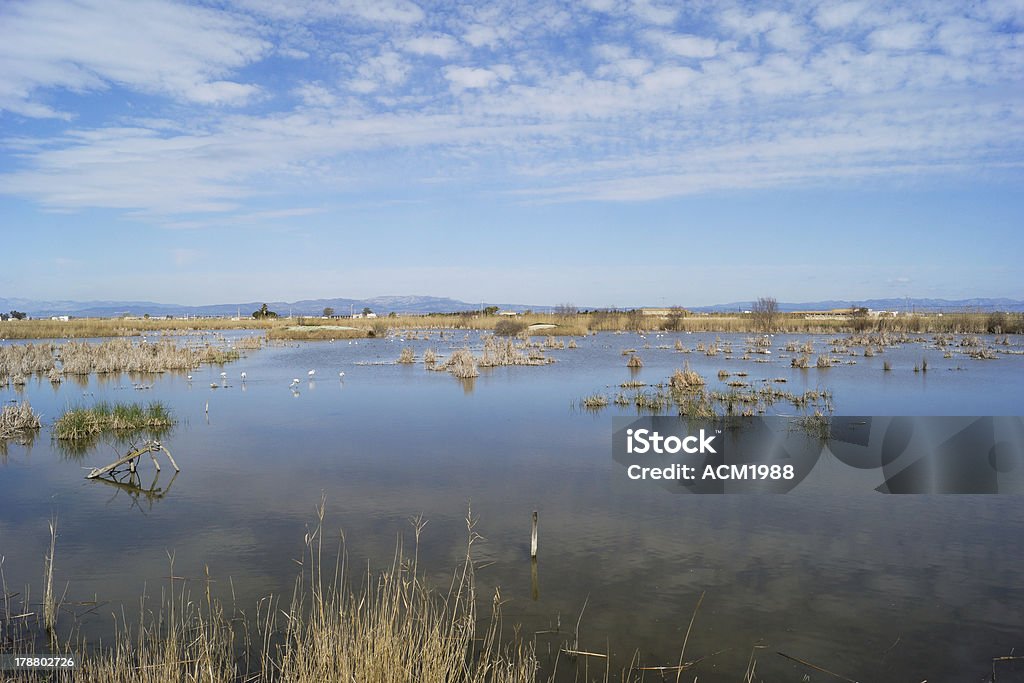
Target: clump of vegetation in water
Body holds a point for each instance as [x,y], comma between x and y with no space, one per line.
[634,362]
[595,401]
[686,379]
[121,418]
[18,421]
[407,357]
[498,352]
[462,364]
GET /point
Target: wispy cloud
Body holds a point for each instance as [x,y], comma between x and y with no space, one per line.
[612,101]
[150,46]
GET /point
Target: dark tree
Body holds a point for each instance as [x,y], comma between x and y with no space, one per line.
[263,313]
[18,315]
[566,310]
[328,312]
[766,312]
[674,320]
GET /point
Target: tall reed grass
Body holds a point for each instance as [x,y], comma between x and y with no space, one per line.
[391,627]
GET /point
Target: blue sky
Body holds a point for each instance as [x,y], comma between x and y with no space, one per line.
[602,152]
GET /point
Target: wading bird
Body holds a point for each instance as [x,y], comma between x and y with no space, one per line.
[311,373]
[243,376]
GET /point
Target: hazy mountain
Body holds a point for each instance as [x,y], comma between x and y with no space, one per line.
[906,305]
[382,305]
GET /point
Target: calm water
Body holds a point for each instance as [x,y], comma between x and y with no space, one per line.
[877,588]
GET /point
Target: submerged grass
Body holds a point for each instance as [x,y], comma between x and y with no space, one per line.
[83,423]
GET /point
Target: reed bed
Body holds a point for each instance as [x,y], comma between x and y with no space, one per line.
[391,627]
[84,423]
[18,420]
[55,361]
[316,332]
[580,324]
[502,351]
[407,356]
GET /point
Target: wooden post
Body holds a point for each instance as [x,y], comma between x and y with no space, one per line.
[533,536]
[534,581]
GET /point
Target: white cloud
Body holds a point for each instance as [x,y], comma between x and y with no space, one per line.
[838,15]
[652,13]
[400,12]
[436,45]
[482,35]
[154,46]
[315,95]
[902,36]
[684,45]
[385,70]
[468,78]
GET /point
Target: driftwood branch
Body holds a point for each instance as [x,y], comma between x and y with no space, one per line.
[132,458]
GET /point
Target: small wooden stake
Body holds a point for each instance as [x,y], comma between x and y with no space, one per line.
[534,580]
[533,536]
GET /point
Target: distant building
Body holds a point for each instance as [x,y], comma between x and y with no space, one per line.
[837,313]
[663,312]
[508,313]
[60,318]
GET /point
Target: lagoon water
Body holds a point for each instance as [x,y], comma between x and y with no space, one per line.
[874,587]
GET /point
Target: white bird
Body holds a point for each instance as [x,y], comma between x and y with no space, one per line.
[311,373]
[341,374]
[295,381]
[189,378]
[223,374]
[243,376]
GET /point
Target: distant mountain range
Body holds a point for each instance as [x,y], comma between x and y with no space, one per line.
[380,305]
[906,305]
[383,305]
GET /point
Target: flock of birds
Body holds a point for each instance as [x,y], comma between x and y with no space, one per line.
[295,382]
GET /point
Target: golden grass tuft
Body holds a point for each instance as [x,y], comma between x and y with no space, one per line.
[18,420]
[461,364]
[686,379]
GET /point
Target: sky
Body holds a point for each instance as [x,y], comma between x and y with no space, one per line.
[597,152]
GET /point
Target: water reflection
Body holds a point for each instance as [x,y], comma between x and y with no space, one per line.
[131,485]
